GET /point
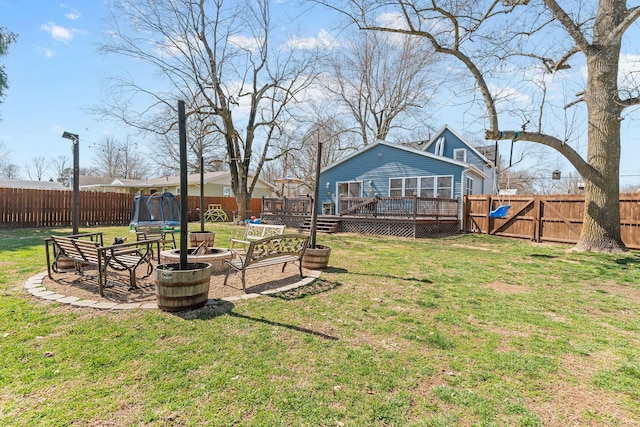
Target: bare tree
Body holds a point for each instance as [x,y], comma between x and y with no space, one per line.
[119,159]
[337,142]
[219,58]
[299,145]
[203,145]
[37,169]
[500,44]
[8,169]
[382,80]
[62,170]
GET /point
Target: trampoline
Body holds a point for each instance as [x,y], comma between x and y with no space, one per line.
[158,210]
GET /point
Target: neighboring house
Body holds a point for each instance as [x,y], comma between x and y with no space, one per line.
[445,167]
[33,185]
[216,184]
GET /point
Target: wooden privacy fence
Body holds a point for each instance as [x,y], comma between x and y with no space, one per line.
[553,218]
[53,208]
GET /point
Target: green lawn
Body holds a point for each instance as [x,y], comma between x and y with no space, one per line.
[462,330]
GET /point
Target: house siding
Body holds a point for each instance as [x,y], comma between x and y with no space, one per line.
[375,166]
[451,143]
[216,190]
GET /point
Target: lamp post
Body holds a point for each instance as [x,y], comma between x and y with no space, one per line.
[75,219]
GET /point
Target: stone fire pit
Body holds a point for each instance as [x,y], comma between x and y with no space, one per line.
[216,256]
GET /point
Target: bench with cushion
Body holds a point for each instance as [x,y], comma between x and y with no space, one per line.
[273,250]
[256,232]
[87,249]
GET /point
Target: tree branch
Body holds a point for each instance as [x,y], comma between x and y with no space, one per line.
[571,27]
[631,16]
[581,165]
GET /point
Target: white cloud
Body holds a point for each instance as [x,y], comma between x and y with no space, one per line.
[629,73]
[73,15]
[629,63]
[509,94]
[46,52]
[248,43]
[322,40]
[59,33]
[391,20]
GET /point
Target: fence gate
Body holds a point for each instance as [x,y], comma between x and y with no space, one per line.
[552,218]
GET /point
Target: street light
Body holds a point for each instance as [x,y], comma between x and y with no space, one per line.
[75,219]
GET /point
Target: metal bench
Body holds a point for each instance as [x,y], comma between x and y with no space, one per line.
[272,250]
[120,257]
[167,237]
[256,232]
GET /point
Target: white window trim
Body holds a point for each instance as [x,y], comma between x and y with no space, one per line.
[464,154]
[418,190]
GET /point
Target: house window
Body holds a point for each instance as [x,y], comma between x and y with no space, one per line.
[427,186]
[395,187]
[424,186]
[350,189]
[468,186]
[444,187]
[226,191]
[411,186]
[460,154]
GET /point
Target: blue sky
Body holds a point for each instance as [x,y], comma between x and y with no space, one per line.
[56,74]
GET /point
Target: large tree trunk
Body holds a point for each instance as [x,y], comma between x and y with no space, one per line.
[601,222]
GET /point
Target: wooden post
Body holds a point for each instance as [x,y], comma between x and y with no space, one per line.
[488,217]
[465,212]
[184,197]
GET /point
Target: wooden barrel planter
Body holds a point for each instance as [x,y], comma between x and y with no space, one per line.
[178,290]
[197,237]
[316,258]
[64,264]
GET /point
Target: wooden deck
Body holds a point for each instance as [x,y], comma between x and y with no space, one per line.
[393,216]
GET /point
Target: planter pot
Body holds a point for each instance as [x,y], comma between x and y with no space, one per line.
[197,237]
[178,290]
[317,258]
[63,265]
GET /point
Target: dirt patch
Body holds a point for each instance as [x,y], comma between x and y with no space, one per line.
[477,248]
[505,288]
[626,292]
[576,401]
[85,285]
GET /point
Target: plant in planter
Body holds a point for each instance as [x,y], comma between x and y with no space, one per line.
[182,286]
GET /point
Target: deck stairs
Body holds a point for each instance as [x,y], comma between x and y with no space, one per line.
[324,224]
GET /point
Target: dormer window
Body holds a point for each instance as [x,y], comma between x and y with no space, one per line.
[460,154]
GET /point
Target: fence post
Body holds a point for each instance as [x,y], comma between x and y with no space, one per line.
[488,217]
[465,212]
[537,219]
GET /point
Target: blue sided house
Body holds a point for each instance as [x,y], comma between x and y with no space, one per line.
[445,167]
